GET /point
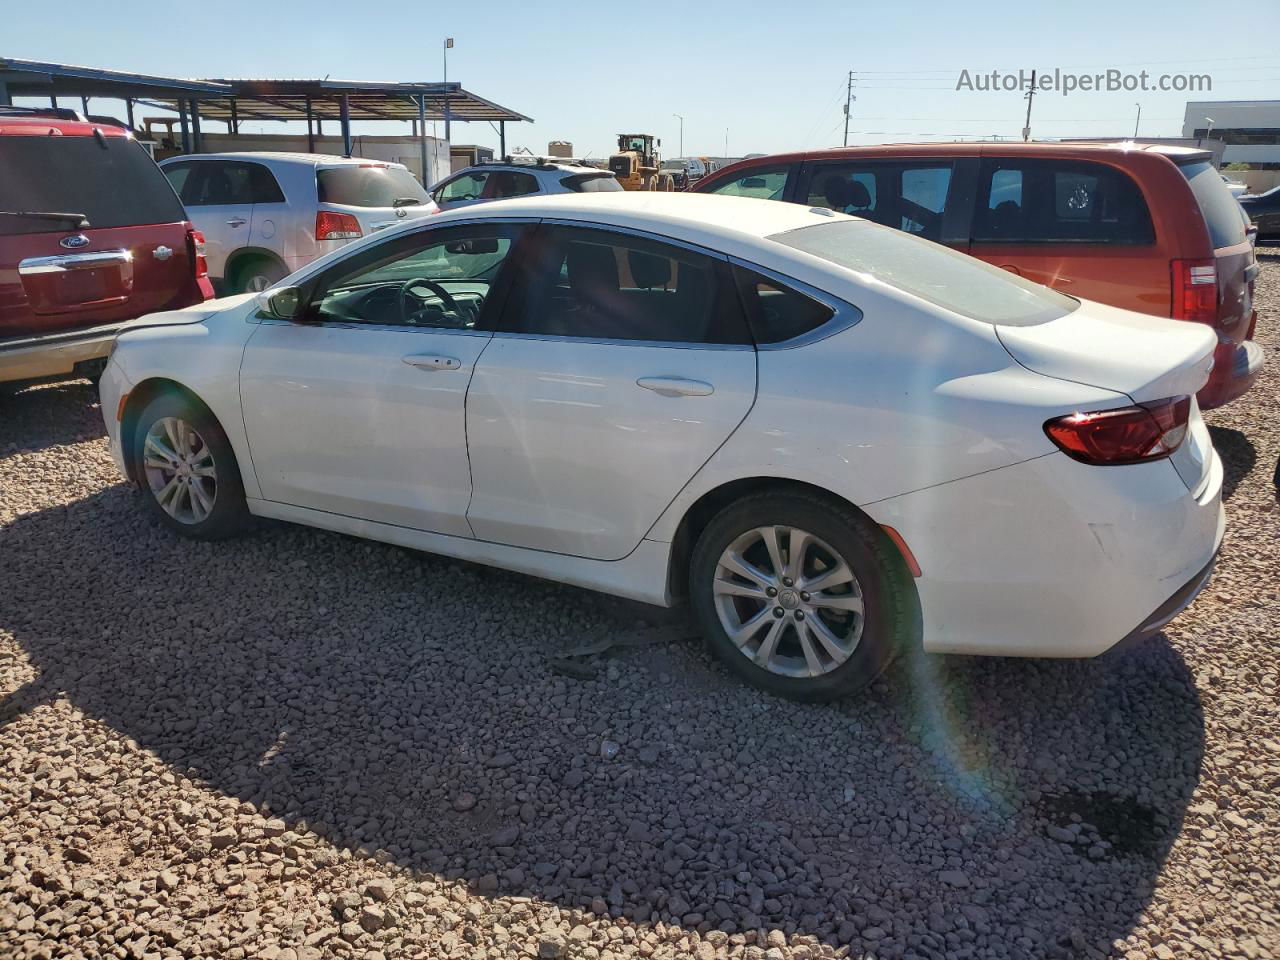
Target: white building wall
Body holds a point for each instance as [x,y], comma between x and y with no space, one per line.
[404,150]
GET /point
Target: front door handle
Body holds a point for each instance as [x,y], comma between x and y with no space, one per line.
[676,386]
[432,361]
[237,222]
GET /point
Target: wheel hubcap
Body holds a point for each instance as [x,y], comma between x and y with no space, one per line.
[180,470]
[788,601]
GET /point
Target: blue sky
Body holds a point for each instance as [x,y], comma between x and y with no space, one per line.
[770,74]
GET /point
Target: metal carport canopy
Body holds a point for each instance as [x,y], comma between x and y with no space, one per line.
[34,78]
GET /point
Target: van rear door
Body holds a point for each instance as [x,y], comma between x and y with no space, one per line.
[91,234]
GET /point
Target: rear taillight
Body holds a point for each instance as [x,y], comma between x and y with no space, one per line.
[1195,291]
[1147,431]
[336,226]
[195,252]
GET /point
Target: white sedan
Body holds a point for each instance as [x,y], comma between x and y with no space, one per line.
[832,438]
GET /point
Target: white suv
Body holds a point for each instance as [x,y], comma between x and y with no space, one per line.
[520,178]
[264,215]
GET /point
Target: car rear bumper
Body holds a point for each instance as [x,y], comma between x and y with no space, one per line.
[1054,558]
[38,358]
[1165,613]
[1235,368]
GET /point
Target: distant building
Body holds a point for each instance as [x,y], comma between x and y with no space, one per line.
[1249,129]
[560,148]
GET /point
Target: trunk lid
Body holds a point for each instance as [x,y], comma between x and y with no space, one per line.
[378,195]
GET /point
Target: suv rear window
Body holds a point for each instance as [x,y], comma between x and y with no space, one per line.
[591,183]
[112,181]
[371,186]
[1220,210]
[938,274]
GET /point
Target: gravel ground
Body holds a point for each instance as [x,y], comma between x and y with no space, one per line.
[299,745]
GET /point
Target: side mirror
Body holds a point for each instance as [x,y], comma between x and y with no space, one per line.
[284,303]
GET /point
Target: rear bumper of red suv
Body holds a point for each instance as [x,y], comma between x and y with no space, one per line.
[51,355]
[1235,368]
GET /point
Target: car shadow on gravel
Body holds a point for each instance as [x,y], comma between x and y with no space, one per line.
[48,415]
[1239,456]
[403,705]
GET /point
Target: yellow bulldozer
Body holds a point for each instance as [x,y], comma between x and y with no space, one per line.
[637,165]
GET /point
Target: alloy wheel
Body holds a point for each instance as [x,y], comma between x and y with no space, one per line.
[788,601]
[180,470]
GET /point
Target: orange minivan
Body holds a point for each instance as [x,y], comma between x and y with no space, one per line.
[1146,227]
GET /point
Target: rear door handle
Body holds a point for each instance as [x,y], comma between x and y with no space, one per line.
[237,222]
[676,386]
[432,361]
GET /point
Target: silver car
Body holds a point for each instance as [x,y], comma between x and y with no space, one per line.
[521,177]
[264,215]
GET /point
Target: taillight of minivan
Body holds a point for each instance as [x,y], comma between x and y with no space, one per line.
[199,265]
[1195,291]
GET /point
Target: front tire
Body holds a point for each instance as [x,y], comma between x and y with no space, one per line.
[187,470]
[799,595]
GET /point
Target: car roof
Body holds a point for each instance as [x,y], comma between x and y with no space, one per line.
[284,156]
[972,148]
[706,219]
[45,126]
[557,166]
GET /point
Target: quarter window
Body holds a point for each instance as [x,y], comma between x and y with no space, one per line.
[430,279]
[1058,201]
[762,183]
[602,285]
[776,312]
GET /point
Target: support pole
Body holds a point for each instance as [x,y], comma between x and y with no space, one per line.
[311,137]
[128,107]
[197,141]
[233,125]
[422,138]
[344,115]
[182,122]
[502,138]
[53,101]
[84,107]
[5,99]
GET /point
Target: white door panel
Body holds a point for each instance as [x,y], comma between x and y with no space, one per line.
[570,453]
[226,227]
[362,421]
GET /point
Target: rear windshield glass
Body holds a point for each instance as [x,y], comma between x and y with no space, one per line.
[935,273]
[368,186]
[112,182]
[1220,209]
[592,183]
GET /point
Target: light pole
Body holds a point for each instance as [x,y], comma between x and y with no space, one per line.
[1137,120]
[681,119]
[448,43]
[726,144]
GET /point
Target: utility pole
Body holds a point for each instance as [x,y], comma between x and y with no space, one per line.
[1026,130]
[1137,120]
[848,99]
[726,143]
[445,55]
[681,119]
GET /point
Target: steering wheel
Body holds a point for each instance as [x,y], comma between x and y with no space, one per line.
[445,296]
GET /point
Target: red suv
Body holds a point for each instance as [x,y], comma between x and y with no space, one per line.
[1144,227]
[91,235]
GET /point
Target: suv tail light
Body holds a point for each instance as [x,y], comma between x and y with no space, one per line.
[336,226]
[1195,291]
[1146,431]
[195,253]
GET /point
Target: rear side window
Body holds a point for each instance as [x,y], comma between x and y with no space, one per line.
[763,183]
[368,186]
[111,181]
[597,284]
[1219,208]
[1059,201]
[208,183]
[509,183]
[938,274]
[775,312]
[591,183]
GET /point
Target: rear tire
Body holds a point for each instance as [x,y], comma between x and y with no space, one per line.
[819,644]
[256,275]
[187,470]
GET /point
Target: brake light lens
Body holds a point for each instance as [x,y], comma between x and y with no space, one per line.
[195,250]
[336,226]
[1195,291]
[1145,431]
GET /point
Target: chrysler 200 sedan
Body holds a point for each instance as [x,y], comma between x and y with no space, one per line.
[832,438]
